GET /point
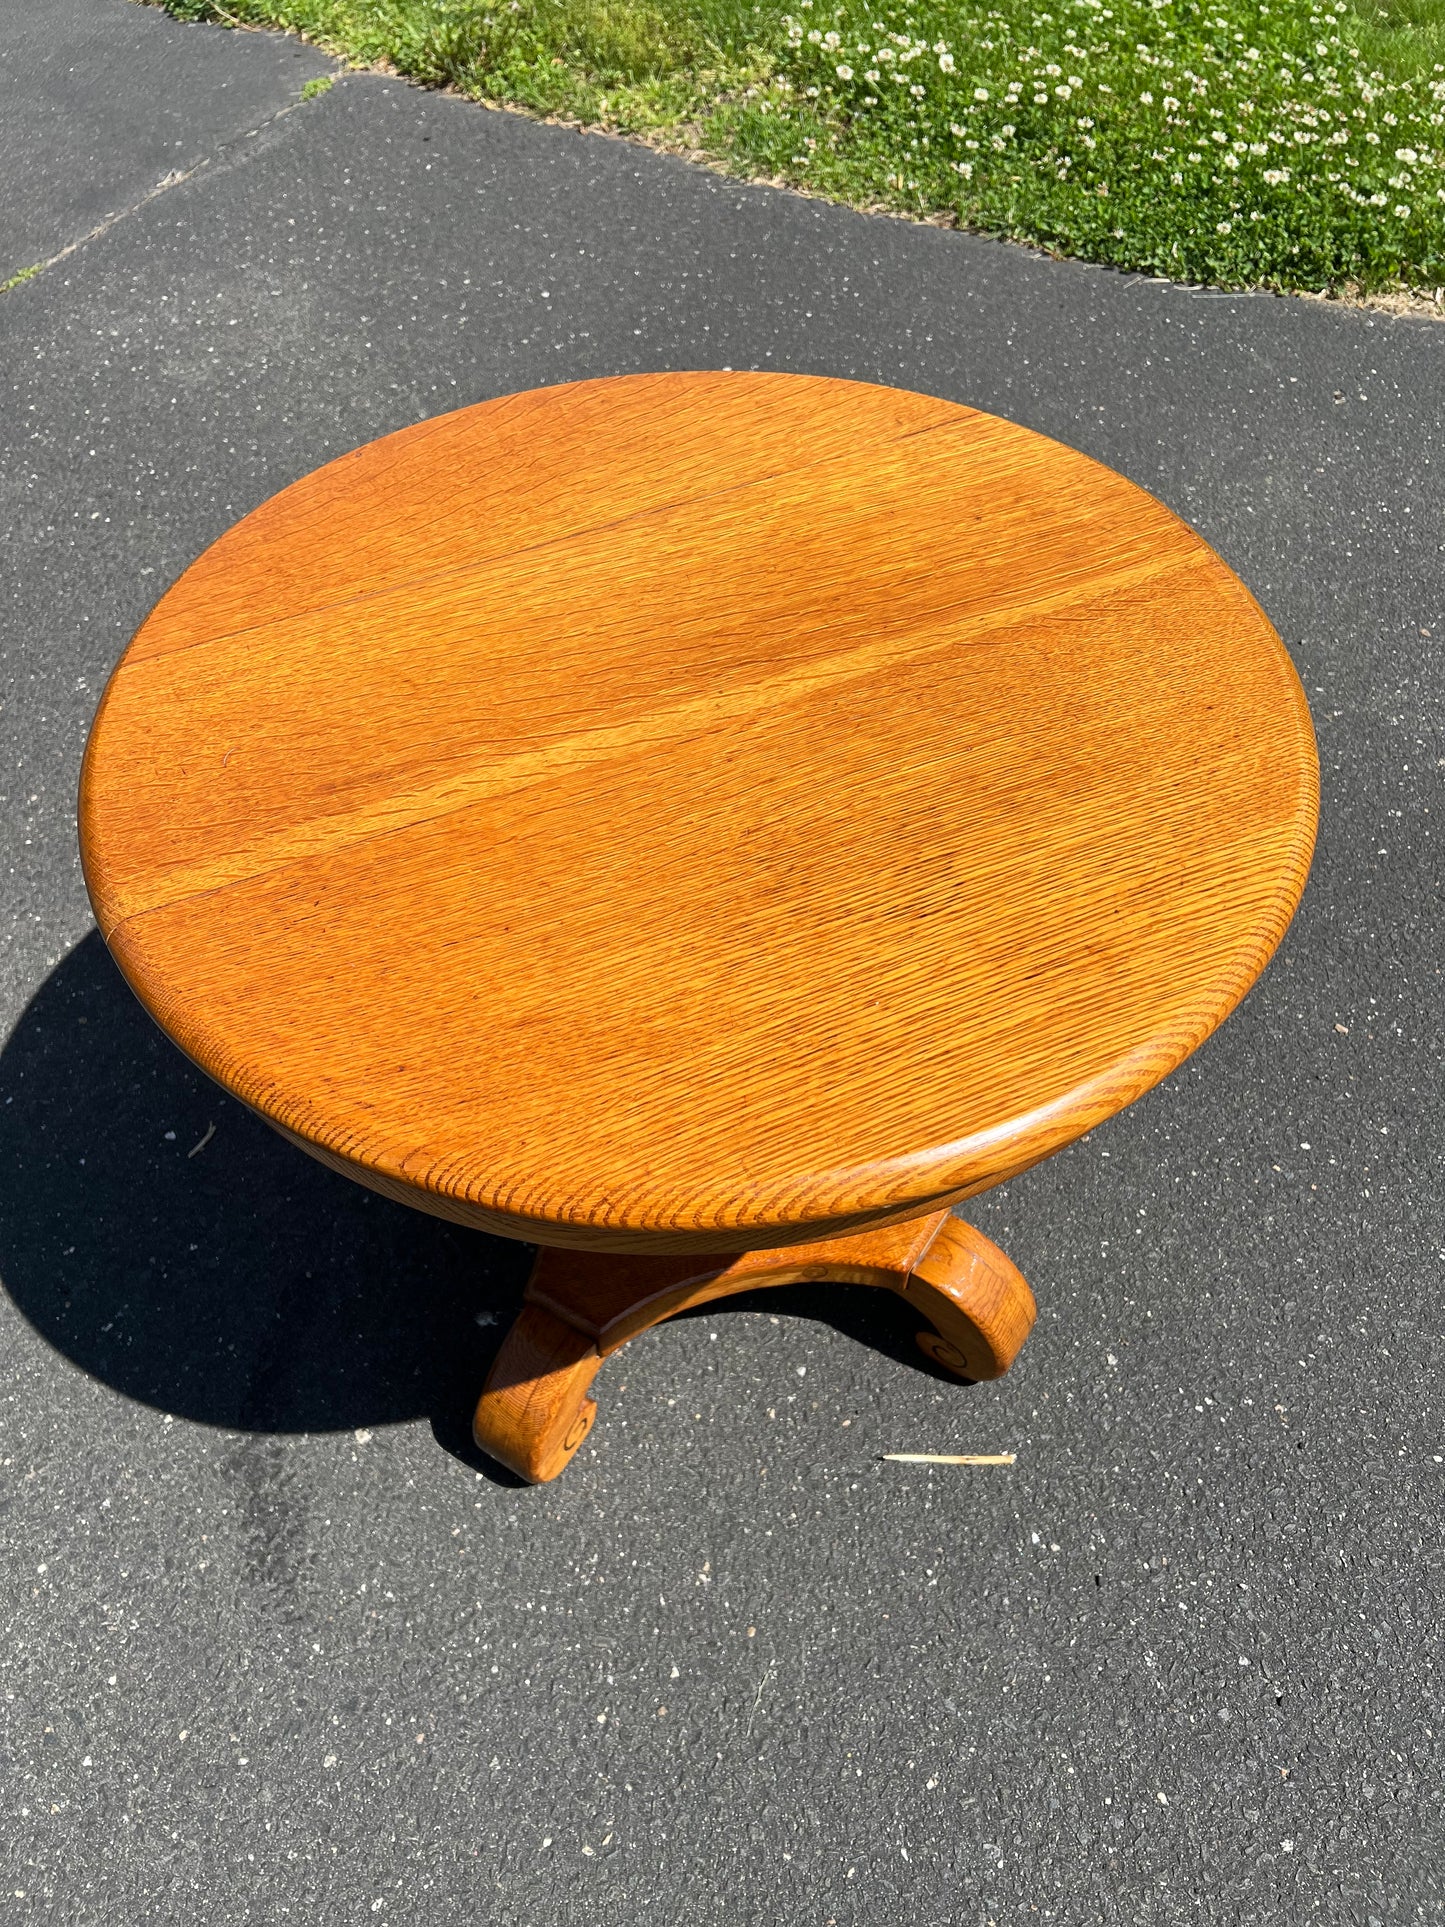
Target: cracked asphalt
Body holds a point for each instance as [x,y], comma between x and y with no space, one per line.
[276,1647]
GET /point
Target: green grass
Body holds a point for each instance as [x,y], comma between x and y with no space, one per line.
[1289,144]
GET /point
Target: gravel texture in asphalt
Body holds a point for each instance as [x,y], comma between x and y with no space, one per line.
[275,1647]
[101,105]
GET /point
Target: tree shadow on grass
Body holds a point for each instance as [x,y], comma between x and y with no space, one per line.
[170,1244]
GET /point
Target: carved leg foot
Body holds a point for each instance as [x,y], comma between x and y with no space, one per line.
[976,1300]
[580,1306]
[535,1412]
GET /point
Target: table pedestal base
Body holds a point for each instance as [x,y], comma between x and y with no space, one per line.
[580,1306]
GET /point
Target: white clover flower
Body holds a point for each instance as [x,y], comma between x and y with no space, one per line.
[1064,93]
[1259,149]
[940,46]
[1147,99]
[1053,70]
[956,131]
[1170,104]
[1377,200]
[832,42]
[1406,154]
[965,168]
[1177,179]
[873,76]
[1075,80]
[1221,227]
[815,37]
[945,63]
[980,93]
[1231,160]
[973,145]
[1373,138]
[1008,130]
[844,72]
[1276,176]
[1083,121]
[1217,134]
[1402,212]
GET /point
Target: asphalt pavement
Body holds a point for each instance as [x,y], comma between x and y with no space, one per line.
[276,1645]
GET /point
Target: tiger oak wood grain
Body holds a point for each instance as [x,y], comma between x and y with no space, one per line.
[691,813]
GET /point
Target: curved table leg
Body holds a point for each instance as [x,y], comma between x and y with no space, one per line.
[580,1306]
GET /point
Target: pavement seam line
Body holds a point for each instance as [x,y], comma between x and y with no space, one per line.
[177,178]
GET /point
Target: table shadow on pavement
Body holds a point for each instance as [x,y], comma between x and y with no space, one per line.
[168,1243]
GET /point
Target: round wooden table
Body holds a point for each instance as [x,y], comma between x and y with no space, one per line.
[695,815]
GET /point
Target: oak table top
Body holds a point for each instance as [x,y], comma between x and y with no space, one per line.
[698,812]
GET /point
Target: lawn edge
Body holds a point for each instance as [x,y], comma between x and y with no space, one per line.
[1399,303]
